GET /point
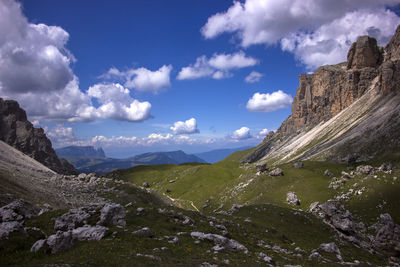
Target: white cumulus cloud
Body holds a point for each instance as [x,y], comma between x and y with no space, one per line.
[268,22]
[269,102]
[117,104]
[142,79]
[253,77]
[218,66]
[262,133]
[185,127]
[35,70]
[241,134]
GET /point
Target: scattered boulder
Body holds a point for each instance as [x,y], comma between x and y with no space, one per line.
[338,217]
[276,172]
[89,233]
[146,185]
[328,173]
[387,235]
[17,210]
[58,242]
[298,165]
[346,175]
[221,242]
[292,198]
[331,248]
[261,167]
[71,219]
[236,207]
[145,232]
[364,169]
[65,240]
[8,227]
[112,214]
[387,168]
[314,207]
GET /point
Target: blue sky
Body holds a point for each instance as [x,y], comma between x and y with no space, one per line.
[123,74]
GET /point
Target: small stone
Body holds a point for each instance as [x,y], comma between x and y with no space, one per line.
[261,167]
[145,232]
[276,172]
[364,169]
[292,198]
[146,185]
[298,165]
[327,173]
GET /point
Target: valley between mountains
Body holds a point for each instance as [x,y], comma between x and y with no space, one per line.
[322,190]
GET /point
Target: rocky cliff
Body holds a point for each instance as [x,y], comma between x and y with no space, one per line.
[330,90]
[18,132]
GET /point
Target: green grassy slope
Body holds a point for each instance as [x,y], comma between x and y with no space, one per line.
[206,187]
[269,226]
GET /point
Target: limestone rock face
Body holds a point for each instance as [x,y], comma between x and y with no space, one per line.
[18,132]
[364,53]
[330,89]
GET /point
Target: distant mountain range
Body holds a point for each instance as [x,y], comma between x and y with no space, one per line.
[80,151]
[88,159]
[214,156]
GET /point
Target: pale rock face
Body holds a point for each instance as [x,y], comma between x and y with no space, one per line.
[331,89]
[364,53]
[19,133]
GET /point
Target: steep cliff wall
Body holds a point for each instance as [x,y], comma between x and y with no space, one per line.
[18,132]
[331,89]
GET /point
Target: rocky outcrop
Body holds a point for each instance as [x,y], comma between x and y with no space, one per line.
[330,89]
[17,131]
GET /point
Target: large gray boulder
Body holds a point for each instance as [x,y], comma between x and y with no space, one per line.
[17,210]
[89,233]
[112,214]
[59,242]
[71,219]
[65,240]
[221,242]
[8,227]
[387,235]
[336,215]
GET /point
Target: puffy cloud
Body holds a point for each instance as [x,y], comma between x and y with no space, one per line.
[262,133]
[269,102]
[142,79]
[33,57]
[35,70]
[241,134]
[330,43]
[218,66]
[151,140]
[231,61]
[185,127]
[253,77]
[268,22]
[117,104]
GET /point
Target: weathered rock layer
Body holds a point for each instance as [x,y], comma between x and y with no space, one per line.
[331,89]
[18,132]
